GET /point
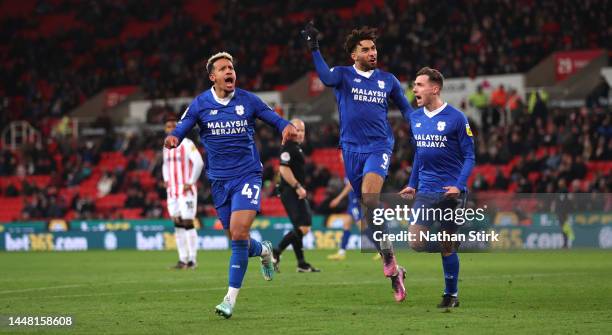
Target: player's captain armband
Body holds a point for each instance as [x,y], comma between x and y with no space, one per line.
[468,130]
[185,113]
[285,157]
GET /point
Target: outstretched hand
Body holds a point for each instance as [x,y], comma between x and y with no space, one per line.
[289,133]
[171,142]
[311,35]
[407,193]
[452,192]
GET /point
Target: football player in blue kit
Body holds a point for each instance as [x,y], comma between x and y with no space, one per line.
[226,118]
[362,93]
[443,160]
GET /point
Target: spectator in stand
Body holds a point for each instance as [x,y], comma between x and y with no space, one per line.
[501,182]
[152,208]
[603,151]
[578,169]
[480,101]
[480,183]
[513,106]
[504,40]
[516,144]
[105,184]
[56,208]
[135,198]
[11,191]
[537,104]
[85,207]
[498,102]
[7,163]
[31,208]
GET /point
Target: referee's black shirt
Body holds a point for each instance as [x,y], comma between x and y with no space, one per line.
[293,157]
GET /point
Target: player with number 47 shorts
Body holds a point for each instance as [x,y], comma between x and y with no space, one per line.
[226,117]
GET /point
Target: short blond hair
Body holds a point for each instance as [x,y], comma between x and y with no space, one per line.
[216,57]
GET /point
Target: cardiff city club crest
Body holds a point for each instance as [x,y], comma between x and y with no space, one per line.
[240,109]
[381,84]
[441,125]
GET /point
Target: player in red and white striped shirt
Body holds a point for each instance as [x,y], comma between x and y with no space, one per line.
[181,169]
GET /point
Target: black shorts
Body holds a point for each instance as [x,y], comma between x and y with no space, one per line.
[298,209]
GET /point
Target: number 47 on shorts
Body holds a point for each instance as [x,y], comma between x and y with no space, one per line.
[247,190]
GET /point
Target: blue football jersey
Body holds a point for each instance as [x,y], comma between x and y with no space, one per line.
[444,150]
[363,104]
[226,131]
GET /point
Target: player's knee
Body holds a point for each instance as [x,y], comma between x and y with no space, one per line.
[447,248]
[304,230]
[238,233]
[371,201]
[372,183]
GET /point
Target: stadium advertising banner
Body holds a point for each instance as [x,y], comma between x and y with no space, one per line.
[590,230]
[569,62]
[115,95]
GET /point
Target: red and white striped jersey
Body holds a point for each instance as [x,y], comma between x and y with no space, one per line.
[182,165]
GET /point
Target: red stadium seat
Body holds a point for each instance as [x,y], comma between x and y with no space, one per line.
[11,208]
[111,201]
[329,158]
[111,160]
[272,207]
[319,195]
[131,213]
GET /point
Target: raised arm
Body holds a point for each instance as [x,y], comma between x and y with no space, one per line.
[266,114]
[413,182]
[184,126]
[328,77]
[398,97]
[467,150]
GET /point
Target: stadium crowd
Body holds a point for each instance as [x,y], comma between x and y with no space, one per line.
[534,154]
[90,45]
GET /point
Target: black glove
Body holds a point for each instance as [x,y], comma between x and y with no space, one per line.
[311,35]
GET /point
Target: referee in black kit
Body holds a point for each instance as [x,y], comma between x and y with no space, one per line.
[293,197]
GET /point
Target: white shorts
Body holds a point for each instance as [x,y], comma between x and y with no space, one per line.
[185,206]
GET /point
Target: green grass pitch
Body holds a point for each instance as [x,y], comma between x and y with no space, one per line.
[562,292]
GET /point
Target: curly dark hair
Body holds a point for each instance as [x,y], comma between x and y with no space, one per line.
[358,35]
